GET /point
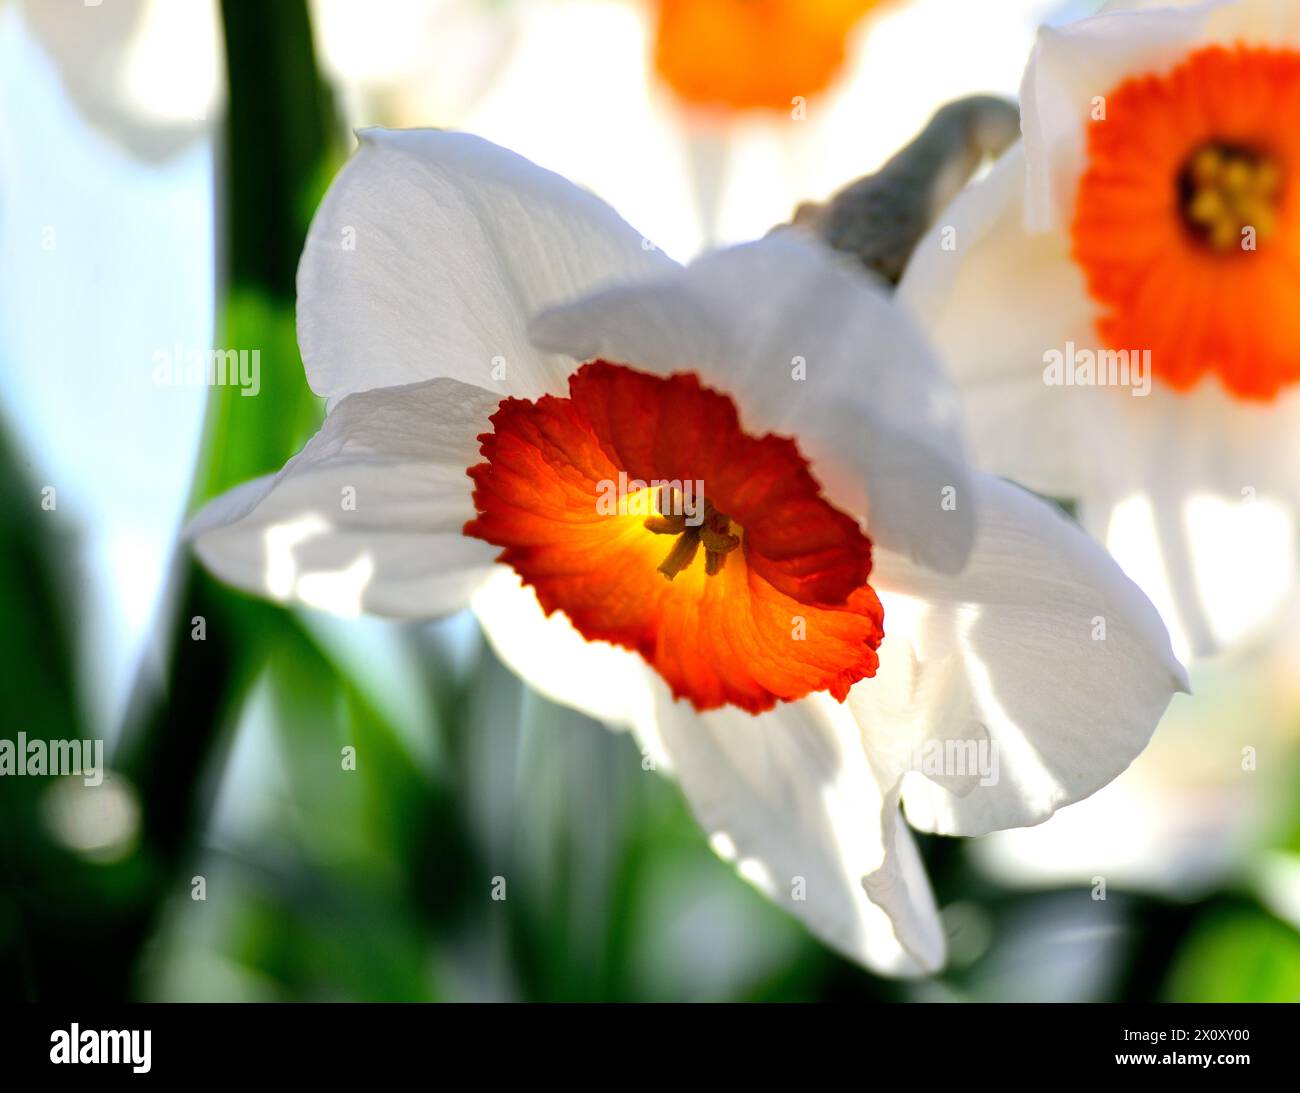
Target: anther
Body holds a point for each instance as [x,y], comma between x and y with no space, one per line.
[1224,189]
[713,531]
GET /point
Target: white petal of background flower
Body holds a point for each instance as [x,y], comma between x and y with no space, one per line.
[1277,21]
[146,73]
[433,58]
[126,247]
[1204,507]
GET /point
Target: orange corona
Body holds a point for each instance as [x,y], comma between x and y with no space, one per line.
[762,597]
[1186,222]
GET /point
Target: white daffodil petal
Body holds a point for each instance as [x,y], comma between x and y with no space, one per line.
[1203,510]
[601,680]
[808,347]
[997,301]
[428,255]
[791,798]
[1041,649]
[1273,23]
[1071,71]
[368,516]
[1251,22]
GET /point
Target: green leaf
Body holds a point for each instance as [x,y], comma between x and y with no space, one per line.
[1237,954]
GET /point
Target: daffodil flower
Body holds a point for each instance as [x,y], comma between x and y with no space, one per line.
[725,506]
[1117,301]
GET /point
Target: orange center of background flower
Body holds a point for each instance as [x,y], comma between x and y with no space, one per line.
[753,54]
[761,596]
[1186,224]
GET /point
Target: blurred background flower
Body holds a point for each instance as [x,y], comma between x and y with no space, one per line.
[159,162]
[734,55]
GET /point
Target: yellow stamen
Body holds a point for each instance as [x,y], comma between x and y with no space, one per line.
[1226,189]
[714,531]
[681,555]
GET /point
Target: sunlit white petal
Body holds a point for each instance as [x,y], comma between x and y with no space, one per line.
[791,798]
[368,515]
[604,681]
[1041,647]
[428,255]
